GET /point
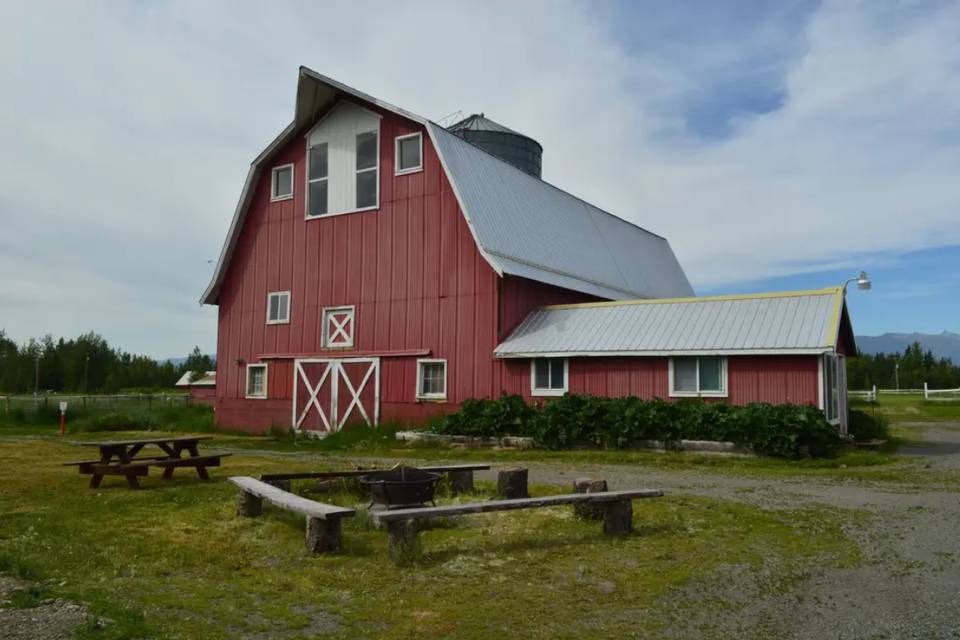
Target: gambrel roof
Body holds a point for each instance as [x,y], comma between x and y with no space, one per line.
[522,225]
[789,322]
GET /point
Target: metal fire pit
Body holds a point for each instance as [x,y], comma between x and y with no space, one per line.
[401,487]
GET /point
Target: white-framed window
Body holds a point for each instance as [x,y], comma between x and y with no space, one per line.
[409,153]
[549,376]
[431,379]
[278,307]
[368,169]
[281,183]
[338,327]
[698,376]
[257,381]
[831,387]
[318,179]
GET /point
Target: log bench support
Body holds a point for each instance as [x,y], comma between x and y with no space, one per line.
[512,483]
[460,481]
[324,529]
[616,508]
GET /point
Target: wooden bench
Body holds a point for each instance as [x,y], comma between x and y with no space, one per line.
[617,512]
[323,520]
[460,476]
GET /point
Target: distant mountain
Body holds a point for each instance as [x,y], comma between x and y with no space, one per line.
[943,345]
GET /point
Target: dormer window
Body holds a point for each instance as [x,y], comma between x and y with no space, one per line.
[409,153]
[281,184]
[368,169]
[343,162]
[317,179]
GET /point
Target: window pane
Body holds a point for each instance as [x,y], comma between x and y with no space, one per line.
[409,153]
[710,378]
[685,375]
[283,313]
[255,381]
[283,182]
[318,161]
[366,189]
[366,150]
[431,382]
[318,198]
[274,307]
[556,374]
[541,373]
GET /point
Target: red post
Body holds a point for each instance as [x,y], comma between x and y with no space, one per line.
[63,422]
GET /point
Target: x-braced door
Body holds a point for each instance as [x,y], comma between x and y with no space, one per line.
[329,393]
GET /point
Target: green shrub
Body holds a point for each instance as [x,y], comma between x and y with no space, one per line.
[509,415]
[614,423]
[864,426]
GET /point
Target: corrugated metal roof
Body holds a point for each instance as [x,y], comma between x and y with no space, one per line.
[479,122]
[209,379]
[556,237]
[788,322]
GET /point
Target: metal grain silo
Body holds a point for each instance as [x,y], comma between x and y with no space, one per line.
[521,151]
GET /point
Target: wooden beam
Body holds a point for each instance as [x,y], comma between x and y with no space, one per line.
[290,501]
[383,517]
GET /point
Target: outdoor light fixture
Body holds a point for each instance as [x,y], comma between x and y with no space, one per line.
[863,282]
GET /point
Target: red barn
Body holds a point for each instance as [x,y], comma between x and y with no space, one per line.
[382,267]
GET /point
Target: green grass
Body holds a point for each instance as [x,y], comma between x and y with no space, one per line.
[912,408]
[173,561]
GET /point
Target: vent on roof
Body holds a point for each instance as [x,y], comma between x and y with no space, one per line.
[521,151]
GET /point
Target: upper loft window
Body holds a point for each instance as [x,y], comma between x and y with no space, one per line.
[409,153]
[368,169]
[281,184]
[278,307]
[318,171]
[698,376]
[343,162]
[548,376]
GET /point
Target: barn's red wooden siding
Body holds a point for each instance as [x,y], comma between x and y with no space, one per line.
[411,268]
[419,284]
[520,296]
[773,379]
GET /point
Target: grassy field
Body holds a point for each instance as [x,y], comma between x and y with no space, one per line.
[173,561]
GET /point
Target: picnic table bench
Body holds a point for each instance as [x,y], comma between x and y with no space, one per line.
[459,475]
[617,509]
[119,458]
[323,520]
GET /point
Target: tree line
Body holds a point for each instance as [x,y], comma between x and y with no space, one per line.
[916,366]
[86,364]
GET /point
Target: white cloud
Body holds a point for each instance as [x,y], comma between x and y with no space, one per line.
[127,130]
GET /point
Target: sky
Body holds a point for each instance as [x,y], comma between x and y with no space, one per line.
[777,145]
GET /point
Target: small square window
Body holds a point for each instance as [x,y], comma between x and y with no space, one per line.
[548,376]
[256,381]
[278,307]
[281,185]
[432,379]
[338,327]
[409,153]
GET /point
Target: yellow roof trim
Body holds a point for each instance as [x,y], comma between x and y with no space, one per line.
[836,291]
[836,318]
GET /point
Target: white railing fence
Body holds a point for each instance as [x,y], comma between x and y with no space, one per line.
[870,395]
[940,394]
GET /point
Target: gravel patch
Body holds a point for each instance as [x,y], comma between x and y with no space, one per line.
[52,620]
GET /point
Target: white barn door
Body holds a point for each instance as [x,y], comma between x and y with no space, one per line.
[329,393]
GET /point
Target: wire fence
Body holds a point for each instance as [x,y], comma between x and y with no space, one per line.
[118,402]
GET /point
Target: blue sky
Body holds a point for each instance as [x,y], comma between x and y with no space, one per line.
[776,144]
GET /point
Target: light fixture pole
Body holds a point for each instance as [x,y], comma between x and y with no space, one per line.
[36,374]
[863,282]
